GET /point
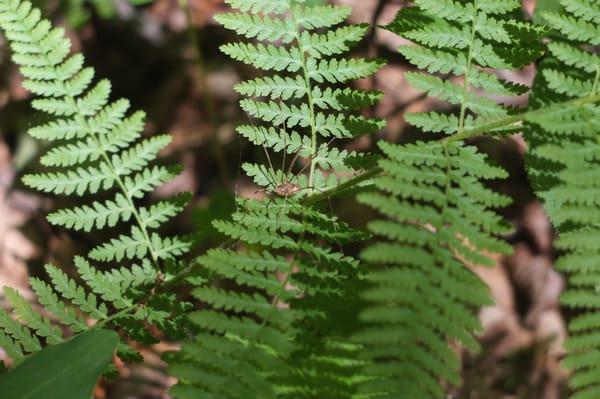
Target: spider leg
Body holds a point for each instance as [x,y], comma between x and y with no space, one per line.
[292,163]
[270,169]
[284,151]
[258,190]
[311,159]
[267,204]
[331,214]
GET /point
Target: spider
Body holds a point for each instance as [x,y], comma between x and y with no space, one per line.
[286,185]
[289,185]
[287,189]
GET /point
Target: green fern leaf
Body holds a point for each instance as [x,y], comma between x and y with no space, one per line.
[260,6]
[248,340]
[563,131]
[20,334]
[264,28]
[12,349]
[265,57]
[421,257]
[48,298]
[575,29]
[439,211]
[463,39]
[96,147]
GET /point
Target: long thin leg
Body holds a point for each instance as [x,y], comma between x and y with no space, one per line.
[291,166]
[331,214]
[284,153]
[312,158]
[271,169]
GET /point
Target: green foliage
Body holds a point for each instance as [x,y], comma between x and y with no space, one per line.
[464,40]
[98,147]
[286,313]
[564,165]
[439,211]
[71,305]
[50,373]
[544,6]
[275,317]
[305,43]
[270,307]
[439,217]
[98,152]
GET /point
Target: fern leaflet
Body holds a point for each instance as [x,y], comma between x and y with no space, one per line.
[421,294]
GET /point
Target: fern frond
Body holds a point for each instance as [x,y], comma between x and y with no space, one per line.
[260,6]
[439,212]
[72,305]
[247,323]
[96,147]
[575,29]
[19,335]
[272,319]
[258,27]
[25,312]
[51,302]
[563,133]
[421,293]
[264,331]
[90,131]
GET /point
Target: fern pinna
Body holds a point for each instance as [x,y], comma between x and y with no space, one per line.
[564,166]
[439,210]
[99,152]
[274,326]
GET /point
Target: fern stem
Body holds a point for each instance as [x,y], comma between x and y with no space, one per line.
[596,82]
[118,315]
[310,100]
[485,128]
[127,195]
[134,209]
[504,122]
[447,188]
[343,187]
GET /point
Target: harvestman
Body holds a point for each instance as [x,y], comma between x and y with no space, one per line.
[289,189]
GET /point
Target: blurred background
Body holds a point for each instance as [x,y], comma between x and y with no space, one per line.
[163,55]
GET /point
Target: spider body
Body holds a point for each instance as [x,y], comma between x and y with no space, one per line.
[287,190]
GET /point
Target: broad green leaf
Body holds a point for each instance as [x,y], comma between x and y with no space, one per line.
[65,371]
